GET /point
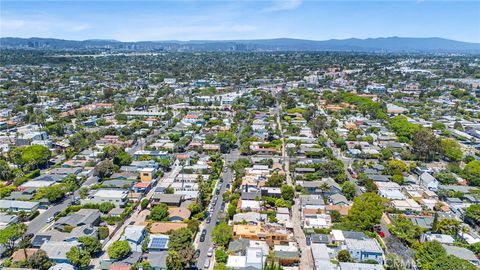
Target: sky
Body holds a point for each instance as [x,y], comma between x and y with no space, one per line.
[242,19]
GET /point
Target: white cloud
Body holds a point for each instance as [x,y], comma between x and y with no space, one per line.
[282,5]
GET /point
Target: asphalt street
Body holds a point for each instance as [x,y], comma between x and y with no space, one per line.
[227,177]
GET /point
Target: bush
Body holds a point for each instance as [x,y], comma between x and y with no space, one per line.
[103,232]
[119,250]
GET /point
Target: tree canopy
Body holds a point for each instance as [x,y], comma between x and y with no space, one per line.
[366,212]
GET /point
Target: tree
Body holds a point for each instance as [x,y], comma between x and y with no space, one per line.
[276,180]
[319,124]
[105,168]
[398,178]
[169,190]
[34,156]
[119,250]
[473,212]
[348,190]
[324,187]
[6,173]
[52,193]
[159,212]
[395,166]
[394,262]
[222,234]
[344,256]
[366,212]
[425,144]
[288,192]
[10,235]
[173,261]
[448,226]
[90,244]
[39,260]
[71,182]
[180,239]
[144,203]
[451,149]
[472,172]
[105,207]
[428,253]
[451,262]
[404,229]
[78,257]
[221,256]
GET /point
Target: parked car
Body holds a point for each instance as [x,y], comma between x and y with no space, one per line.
[197,253]
[207,263]
[208,220]
[210,252]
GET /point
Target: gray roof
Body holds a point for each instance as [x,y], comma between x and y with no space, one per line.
[354,235]
[460,252]
[58,250]
[4,204]
[424,222]
[251,195]
[82,217]
[320,238]
[367,244]
[239,245]
[158,259]
[379,177]
[360,266]
[168,198]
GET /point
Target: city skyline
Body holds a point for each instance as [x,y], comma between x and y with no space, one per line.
[232,20]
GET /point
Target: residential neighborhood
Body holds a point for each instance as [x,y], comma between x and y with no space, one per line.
[298,161]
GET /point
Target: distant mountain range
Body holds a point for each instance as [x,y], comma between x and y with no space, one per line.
[388,44]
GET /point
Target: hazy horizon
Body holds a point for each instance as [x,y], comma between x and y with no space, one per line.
[239,20]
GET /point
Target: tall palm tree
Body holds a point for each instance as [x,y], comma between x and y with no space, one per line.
[324,187]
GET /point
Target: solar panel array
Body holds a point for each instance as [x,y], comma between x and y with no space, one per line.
[159,243]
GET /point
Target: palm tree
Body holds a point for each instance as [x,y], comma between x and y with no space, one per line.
[324,187]
[173,261]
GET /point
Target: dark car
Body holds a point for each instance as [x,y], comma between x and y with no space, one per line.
[197,253]
[202,236]
[217,191]
[208,220]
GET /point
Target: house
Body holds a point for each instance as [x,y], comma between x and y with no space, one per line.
[249,217]
[7,220]
[134,234]
[18,206]
[364,249]
[158,260]
[158,242]
[165,227]
[23,254]
[360,266]
[178,214]
[338,199]
[321,257]
[115,196]
[442,238]
[428,181]
[271,234]
[249,205]
[462,253]
[406,205]
[254,258]
[57,251]
[147,174]
[89,217]
[168,199]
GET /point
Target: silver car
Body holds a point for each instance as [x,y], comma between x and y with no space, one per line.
[207,263]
